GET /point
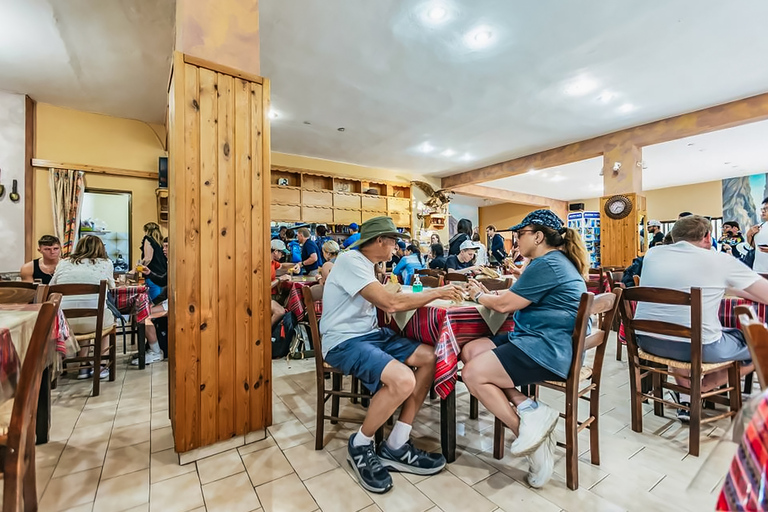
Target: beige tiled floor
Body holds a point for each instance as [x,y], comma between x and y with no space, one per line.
[115,453]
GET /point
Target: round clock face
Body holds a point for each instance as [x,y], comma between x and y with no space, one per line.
[618,207]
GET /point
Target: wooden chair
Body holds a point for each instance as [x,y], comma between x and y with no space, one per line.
[636,279]
[614,278]
[431,281]
[19,292]
[455,277]
[641,362]
[312,294]
[91,339]
[596,280]
[756,334]
[18,446]
[497,284]
[583,382]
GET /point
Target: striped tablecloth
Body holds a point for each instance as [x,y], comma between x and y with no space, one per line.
[728,305]
[295,301]
[129,297]
[447,328]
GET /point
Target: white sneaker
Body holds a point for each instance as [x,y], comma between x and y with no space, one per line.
[542,463]
[150,357]
[535,426]
[104,374]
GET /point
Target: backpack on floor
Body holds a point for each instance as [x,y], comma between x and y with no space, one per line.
[282,335]
[301,346]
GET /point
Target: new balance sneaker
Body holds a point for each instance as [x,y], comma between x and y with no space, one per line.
[535,426]
[409,459]
[542,463]
[371,474]
[149,358]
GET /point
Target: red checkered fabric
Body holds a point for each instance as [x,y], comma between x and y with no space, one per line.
[129,297]
[295,302]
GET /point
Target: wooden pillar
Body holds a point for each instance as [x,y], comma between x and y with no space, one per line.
[219,315]
[622,175]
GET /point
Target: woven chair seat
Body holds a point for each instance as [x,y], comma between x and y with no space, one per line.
[92,335]
[674,363]
[584,374]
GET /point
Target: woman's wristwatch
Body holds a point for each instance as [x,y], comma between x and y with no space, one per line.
[476,298]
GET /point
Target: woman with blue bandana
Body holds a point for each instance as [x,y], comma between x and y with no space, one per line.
[545,301]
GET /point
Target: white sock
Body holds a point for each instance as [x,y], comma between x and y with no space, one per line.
[399,435]
[527,404]
[154,347]
[685,398]
[361,439]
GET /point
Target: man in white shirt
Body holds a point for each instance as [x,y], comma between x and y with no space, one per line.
[690,262]
[353,342]
[757,237]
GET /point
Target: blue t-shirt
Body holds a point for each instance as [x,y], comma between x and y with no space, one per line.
[407,266]
[544,329]
[308,249]
[351,239]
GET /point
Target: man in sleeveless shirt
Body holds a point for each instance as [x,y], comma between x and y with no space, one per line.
[42,268]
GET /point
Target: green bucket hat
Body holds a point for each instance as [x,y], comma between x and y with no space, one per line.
[378,226]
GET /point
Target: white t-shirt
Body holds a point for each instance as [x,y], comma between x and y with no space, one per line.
[482,255]
[85,272]
[683,265]
[346,314]
[761,258]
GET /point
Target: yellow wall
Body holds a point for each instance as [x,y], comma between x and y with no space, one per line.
[72,136]
[503,216]
[666,203]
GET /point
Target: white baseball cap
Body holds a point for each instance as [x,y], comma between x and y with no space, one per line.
[469,244]
[654,223]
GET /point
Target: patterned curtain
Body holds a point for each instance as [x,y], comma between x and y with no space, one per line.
[67,188]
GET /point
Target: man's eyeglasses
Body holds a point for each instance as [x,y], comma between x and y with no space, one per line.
[525,231]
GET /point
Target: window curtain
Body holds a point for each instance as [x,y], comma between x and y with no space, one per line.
[67,188]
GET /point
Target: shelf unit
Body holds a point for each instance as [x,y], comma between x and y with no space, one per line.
[162,205]
[304,196]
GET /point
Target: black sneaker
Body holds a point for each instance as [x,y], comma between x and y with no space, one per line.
[682,415]
[409,459]
[371,474]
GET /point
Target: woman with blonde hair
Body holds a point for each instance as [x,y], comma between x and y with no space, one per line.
[545,301]
[330,252]
[88,264]
[153,261]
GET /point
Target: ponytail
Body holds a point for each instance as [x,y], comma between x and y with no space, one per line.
[415,250]
[569,242]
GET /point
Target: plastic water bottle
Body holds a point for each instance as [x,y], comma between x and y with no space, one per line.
[417,286]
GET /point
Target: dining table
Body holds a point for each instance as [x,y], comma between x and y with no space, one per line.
[17,322]
[133,300]
[295,301]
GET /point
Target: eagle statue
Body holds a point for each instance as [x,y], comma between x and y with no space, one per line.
[437,200]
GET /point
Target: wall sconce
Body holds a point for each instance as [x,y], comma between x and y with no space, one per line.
[616,167]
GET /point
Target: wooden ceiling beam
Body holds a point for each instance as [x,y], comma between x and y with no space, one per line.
[710,119]
[509,196]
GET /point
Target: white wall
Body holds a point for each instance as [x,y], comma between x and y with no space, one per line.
[12,134]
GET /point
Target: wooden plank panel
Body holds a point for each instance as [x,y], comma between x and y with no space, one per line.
[242,252]
[265,143]
[208,255]
[189,287]
[226,243]
[286,195]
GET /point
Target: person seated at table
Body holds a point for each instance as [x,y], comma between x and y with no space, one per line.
[409,264]
[153,261]
[353,342]
[279,272]
[464,261]
[88,264]
[463,234]
[496,245]
[280,235]
[545,301]
[690,262]
[310,253]
[353,237]
[436,257]
[43,268]
[435,239]
[482,253]
[154,353]
[293,245]
[330,253]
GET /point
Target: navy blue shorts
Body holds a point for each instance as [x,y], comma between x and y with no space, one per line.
[366,356]
[519,366]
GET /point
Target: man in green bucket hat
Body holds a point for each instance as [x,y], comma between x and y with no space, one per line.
[354,343]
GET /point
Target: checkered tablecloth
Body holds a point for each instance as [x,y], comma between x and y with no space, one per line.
[10,366]
[447,328]
[295,301]
[745,484]
[129,297]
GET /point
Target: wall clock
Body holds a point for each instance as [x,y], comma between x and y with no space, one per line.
[618,207]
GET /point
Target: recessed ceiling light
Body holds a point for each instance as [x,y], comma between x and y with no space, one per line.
[479,37]
[426,147]
[626,108]
[605,96]
[273,114]
[448,152]
[580,86]
[437,13]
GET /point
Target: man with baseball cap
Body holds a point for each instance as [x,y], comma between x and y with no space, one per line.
[353,342]
[278,273]
[353,237]
[654,228]
[462,262]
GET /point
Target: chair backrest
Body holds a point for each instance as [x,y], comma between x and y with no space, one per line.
[596,278]
[68,290]
[614,278]
[669,297]
[456,277]
[311,295]
[605,307]
[756,334]
[431,281]
[20,453]
[19,292]
[497,284]
[430,272]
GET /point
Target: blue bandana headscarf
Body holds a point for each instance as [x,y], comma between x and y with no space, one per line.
[544,218]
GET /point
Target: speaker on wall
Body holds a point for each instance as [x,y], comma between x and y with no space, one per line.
[162,172]
[576,207]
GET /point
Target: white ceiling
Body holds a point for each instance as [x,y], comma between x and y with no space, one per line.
[739,151]
[398,85]
[106,56]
